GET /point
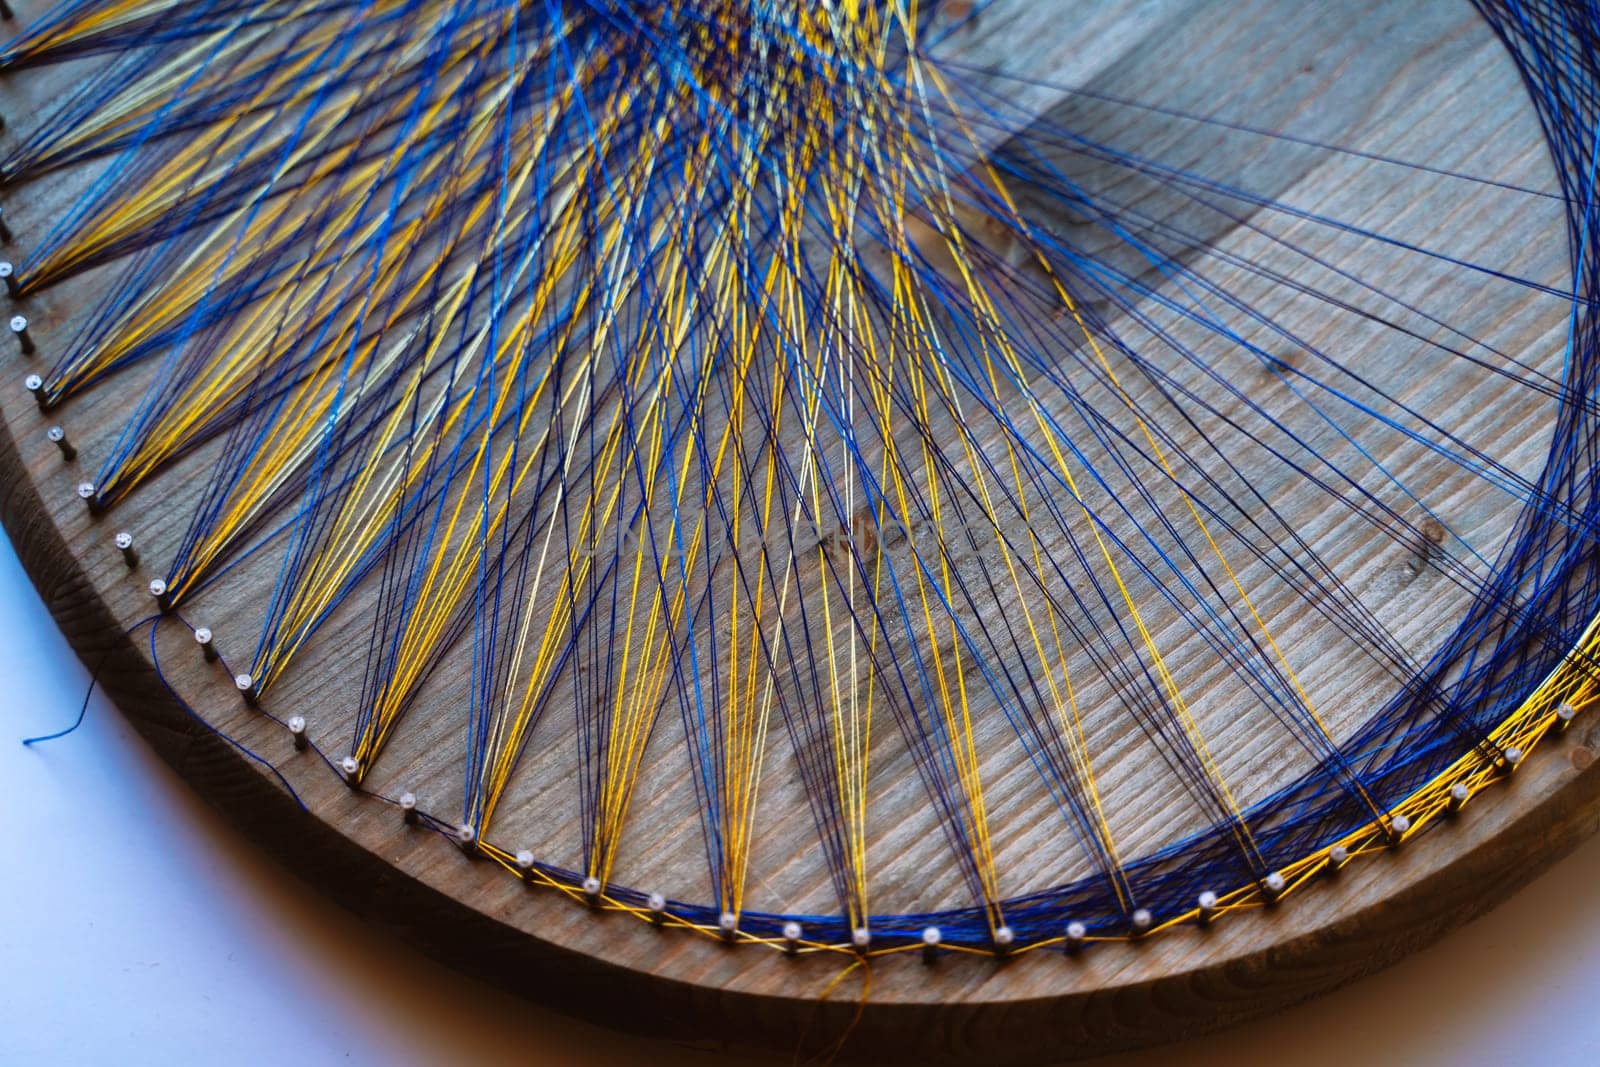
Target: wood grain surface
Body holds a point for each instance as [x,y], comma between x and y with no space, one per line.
[1423,81]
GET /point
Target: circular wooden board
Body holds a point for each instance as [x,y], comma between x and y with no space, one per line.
[1373,73]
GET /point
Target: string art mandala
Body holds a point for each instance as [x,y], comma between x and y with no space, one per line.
[982,499]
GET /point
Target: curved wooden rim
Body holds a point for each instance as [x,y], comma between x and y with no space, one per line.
[623,973]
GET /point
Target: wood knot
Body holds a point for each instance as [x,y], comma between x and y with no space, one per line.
[1278,365]
[1582,756]
[1430,539]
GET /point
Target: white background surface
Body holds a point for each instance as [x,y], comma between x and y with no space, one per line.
[137,928]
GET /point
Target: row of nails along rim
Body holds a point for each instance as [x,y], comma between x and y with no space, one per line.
[1549,710]
[1570,689]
